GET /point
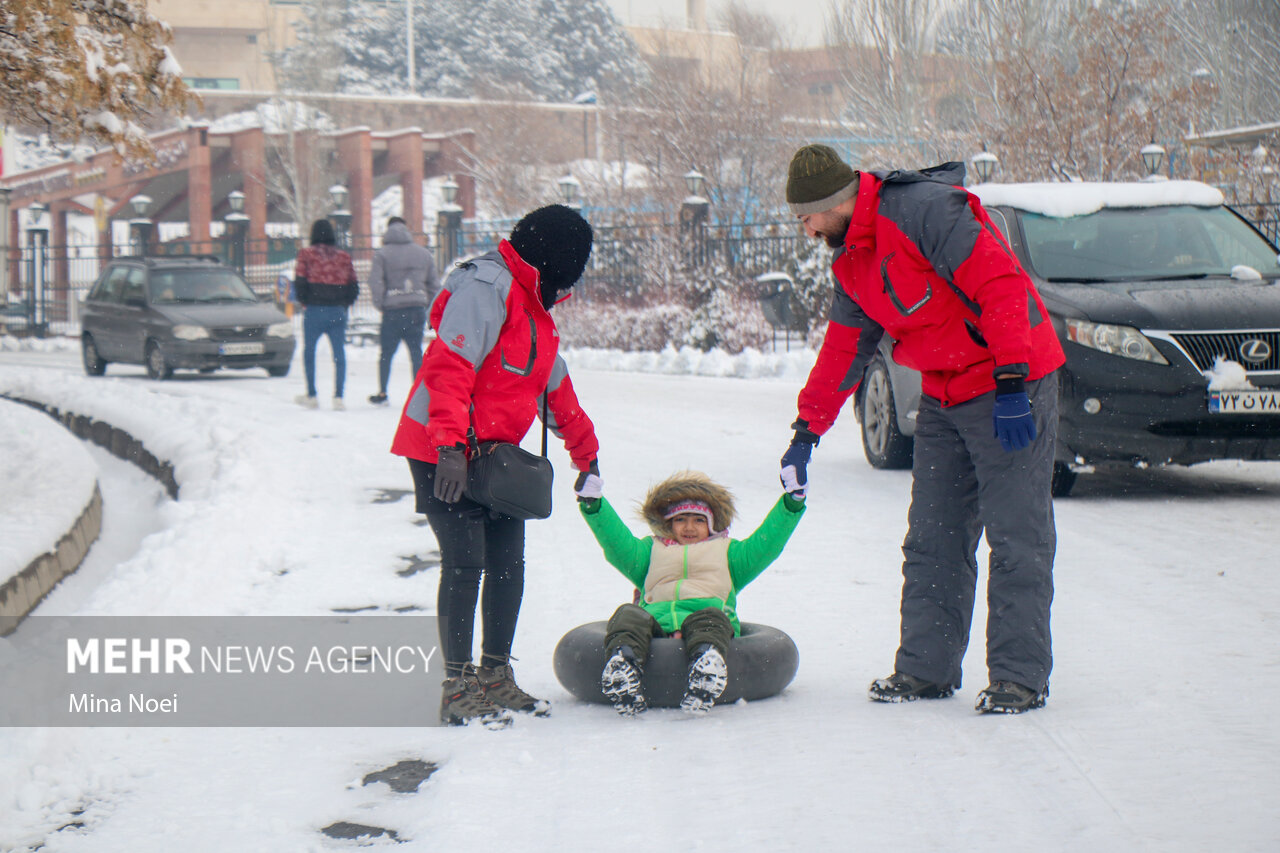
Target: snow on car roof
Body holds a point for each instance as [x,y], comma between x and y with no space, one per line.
[1062,200]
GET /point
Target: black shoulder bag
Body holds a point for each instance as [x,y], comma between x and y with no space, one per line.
[509,480]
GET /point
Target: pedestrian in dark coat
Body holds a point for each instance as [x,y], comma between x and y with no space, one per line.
[401,282]
[918,258]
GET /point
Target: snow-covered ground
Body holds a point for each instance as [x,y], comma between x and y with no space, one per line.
[1157,736]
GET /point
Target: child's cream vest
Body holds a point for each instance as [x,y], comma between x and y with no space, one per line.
[678,572]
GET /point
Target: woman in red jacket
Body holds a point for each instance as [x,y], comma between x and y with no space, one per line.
[494,360]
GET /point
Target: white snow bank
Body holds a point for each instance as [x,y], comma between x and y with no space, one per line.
[48,479]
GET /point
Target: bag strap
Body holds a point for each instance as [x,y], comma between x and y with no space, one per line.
[474,443]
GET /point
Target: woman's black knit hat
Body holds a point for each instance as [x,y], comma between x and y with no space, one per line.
[556,241]
[322,232]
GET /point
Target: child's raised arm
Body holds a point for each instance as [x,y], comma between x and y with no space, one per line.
[751,556]
[625,551]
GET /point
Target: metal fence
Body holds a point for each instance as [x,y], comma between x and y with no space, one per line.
[48,282]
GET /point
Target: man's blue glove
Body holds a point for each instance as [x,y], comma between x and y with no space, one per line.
[795,474]
[1011,416]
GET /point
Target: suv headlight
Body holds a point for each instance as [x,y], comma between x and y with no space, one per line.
[280,330]
[1124,341]
[190,333]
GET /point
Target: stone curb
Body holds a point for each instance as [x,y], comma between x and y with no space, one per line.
[22,592]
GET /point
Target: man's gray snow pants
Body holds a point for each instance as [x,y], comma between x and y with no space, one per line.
[963,481]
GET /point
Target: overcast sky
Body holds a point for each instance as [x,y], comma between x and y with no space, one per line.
[802,17]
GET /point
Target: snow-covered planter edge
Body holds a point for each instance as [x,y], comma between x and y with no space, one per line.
[20,594]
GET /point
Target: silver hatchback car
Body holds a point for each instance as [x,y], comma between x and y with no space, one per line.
[181,313]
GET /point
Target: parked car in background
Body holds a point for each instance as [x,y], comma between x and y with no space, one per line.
[181,313]
[1168,307]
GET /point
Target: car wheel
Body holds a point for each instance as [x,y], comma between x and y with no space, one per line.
[1063,479]
[157,367]
[94,363]
[884,445]
[278,370]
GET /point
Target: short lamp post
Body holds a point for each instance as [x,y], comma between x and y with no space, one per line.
[448,223]
[341,216]
[984,165]
[38,266]
[1152,158]
[695,207]
[4,243]
[237,228]
[569,190]
[140,226]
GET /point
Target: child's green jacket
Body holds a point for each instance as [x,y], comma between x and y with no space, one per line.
[677,580]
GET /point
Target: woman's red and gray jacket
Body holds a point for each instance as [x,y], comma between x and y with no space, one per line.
[495,354]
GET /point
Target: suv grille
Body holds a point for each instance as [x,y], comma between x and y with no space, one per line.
[1204,348]
[237,333]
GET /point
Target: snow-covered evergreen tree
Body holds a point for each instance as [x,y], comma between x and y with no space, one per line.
[547,50]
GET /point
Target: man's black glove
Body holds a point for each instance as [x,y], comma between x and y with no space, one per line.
[589,486]
[451,474]
[795,462]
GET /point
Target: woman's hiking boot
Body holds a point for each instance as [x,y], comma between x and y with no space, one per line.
[462,701]
[500,688]
[620,682]
[708,676]
[1008,697]
[901,687]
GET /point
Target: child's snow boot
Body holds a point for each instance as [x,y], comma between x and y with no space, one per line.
[500,688]
[708,676]
[620,681]
[462,701]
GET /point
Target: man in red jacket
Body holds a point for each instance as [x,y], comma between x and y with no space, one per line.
[918,258]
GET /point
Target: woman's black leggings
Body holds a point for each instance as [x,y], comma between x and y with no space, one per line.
[474,544]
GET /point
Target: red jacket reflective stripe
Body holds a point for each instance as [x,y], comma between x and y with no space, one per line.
[956,329]
[497,352]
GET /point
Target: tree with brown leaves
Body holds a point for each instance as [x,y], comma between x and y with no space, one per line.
[88,70]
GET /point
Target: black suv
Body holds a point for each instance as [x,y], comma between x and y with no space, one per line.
[190,312]
[1167,304]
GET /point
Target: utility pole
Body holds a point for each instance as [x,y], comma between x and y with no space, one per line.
[408,19]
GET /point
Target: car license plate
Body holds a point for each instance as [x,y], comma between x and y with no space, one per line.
[1245,402]
[242,349]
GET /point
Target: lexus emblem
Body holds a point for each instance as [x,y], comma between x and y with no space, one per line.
[1255,350]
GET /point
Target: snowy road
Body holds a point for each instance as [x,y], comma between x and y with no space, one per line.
[1157,735]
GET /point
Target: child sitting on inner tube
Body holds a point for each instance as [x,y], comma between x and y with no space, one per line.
[688,573]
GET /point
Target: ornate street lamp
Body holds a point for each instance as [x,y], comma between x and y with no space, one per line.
[237,228]
[984,165]
[569,188]
[448,223]
[140,226]
[38,268]
[1152,158]
[695,209]
[341,216]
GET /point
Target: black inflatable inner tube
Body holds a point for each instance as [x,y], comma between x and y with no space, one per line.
[761,663]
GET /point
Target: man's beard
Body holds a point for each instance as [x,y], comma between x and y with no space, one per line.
[836,240]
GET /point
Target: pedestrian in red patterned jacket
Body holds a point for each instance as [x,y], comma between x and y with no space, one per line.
[325,283]
[918,258]
[494,365]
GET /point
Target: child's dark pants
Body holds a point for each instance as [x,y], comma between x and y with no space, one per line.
[631,625]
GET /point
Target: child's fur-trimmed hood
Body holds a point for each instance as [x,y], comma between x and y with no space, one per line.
[687,486]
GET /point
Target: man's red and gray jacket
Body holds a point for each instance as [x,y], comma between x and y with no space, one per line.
[496,349]
[923,263]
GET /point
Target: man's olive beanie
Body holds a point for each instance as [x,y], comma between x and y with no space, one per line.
[818,180]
